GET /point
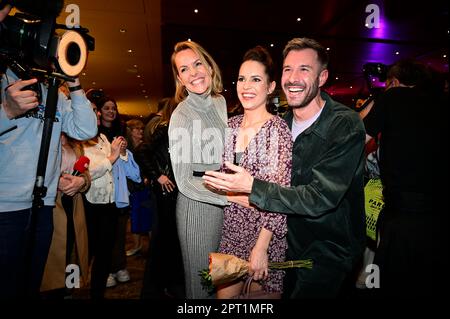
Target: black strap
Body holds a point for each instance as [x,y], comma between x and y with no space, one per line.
[75,88]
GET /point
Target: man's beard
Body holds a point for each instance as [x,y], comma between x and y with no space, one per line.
[311,94]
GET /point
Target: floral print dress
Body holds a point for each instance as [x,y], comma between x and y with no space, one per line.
[268,157]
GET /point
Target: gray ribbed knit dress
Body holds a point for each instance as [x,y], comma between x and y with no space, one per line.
[196,135]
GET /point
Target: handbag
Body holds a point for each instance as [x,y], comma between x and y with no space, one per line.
[260,294]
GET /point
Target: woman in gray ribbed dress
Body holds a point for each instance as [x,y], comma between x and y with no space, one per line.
[196,135]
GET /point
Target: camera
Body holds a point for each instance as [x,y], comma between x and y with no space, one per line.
[32,44]
[375,75]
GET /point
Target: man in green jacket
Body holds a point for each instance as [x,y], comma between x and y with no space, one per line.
[325,204]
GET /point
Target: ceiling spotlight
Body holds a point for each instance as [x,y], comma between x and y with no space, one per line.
[93,83]
[135,66]
[145,96]
[397,53]
[189,40]
[444,56]
[351,87]
[195,10]
[271,45]
[138,76]
[84,73]
[328,49]
[299,19]
[144,91]
[122,30]
[337,78]
[130,51]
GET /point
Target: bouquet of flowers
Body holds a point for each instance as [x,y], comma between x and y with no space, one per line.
[225,268]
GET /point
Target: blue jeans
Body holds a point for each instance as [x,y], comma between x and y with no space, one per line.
[24,250]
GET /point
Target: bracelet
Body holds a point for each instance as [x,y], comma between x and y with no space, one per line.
[75,88]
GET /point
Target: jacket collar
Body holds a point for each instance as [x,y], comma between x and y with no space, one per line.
[320,126]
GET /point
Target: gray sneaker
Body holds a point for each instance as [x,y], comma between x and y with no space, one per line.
[122,275]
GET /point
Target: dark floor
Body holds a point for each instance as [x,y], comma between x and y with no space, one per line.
[135,266]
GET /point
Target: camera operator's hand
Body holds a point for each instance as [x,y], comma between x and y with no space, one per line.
[4,12]
[17,101]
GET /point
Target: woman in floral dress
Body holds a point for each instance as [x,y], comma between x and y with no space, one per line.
[261,143]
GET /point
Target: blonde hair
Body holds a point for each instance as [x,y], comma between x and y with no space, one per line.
[207,60]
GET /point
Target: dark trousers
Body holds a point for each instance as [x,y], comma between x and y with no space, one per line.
[164,266]
[322,281]
[101,222]
[25,238]
[119,257]
[408,256]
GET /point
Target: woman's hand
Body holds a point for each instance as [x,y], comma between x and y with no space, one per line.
[69,184]
[115,150]
[259,263]
[166,184]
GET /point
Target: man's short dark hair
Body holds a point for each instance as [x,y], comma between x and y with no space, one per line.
[298,44]
[410,72]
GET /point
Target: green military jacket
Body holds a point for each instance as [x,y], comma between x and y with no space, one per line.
[325,204]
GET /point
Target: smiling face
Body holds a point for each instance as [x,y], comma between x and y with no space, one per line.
[192,72]
[253,85]
[108,113]
[302,77]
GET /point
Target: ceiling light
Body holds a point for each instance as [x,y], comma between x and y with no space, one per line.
[351,87]
[397,53]
[189,39]
[84,73]
[135,66]
[271,45]
[144,91]
[299,19]
[337,78]
[195,10]
[130,51]
[146,97]
[444,56]
[328,49]
[138,75]
[93,83]
[122,30]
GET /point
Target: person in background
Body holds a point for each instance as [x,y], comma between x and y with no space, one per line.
[161,279]
[23,254]
[154,119]
[260,143]
[409,146]
[111,126]
[141,208]
[325,204]
[196,133]
[101,212]
[69,241]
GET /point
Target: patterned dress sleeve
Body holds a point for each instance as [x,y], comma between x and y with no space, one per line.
[279,148]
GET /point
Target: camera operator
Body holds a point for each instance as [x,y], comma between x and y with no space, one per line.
[20,137]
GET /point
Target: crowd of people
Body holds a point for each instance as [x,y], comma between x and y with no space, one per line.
[255,185]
